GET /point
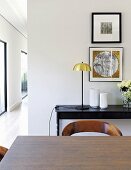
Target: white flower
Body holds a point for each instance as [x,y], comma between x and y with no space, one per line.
[125,88]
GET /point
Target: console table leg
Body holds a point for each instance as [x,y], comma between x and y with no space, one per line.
[57,124]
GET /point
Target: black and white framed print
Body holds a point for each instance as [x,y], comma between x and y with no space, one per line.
[106,28]
[106,63]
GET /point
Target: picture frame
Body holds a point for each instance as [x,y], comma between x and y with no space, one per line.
[106,27]
[106,63]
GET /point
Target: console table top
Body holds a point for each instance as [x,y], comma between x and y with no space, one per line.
[110,109]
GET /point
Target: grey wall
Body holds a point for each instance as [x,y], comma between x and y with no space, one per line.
[59,36]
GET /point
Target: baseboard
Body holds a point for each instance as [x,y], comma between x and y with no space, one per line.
[11,108]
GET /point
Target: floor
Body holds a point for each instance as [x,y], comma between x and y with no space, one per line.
[13,124]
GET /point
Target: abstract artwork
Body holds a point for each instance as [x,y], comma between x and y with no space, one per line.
[106,28]
[106,64]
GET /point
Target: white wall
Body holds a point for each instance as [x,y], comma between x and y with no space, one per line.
[59,37]
[15,43]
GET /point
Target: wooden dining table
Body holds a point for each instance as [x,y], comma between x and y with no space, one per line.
[68,153]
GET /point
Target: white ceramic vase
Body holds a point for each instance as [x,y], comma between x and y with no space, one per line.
[94,98]
[103,100]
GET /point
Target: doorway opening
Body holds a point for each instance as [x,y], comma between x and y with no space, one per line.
[24,82]
[3,80]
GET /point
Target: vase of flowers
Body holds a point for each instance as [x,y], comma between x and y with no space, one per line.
[125,88]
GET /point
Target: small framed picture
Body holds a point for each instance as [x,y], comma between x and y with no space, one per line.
[106,64]
[106,28]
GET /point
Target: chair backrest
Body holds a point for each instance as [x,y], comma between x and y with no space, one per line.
[91,126]
[3,151]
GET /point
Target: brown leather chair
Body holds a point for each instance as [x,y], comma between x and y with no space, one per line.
[91,126]
[3,151]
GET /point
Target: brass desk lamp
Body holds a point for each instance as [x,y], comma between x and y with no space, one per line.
[82,67]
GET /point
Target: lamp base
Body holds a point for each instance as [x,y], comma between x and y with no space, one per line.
[82,107]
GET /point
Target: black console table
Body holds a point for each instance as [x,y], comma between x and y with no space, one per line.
[71,112]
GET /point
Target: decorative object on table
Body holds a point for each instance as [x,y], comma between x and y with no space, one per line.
[94,98]
[106,64]
[106,27]
[82,67]
[103,100]
[125,88]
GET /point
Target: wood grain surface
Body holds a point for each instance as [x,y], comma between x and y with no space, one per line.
[69,153]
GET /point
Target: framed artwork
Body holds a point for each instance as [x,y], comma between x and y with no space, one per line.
[106,28]
[106,64]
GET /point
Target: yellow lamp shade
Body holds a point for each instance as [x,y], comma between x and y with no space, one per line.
[82,67]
